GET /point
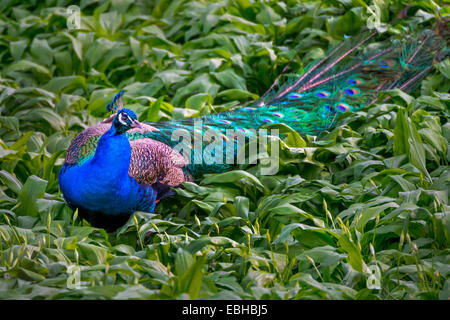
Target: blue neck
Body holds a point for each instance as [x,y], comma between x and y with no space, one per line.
[113,155]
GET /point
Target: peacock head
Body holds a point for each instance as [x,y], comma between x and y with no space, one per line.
[125,120]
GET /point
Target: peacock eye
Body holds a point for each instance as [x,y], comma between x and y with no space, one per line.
[123,118]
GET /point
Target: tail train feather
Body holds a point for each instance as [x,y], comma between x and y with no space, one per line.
[348,78]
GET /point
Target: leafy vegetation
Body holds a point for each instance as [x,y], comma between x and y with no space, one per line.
[372,192]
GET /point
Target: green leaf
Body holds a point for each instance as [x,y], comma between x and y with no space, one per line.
[32,190]
[153,112]
[94,254]
[407,140]
[133,292]
[17,48]
[40,72]
[236,94]
[371,213]
[293,140]
[400,133]
[230,79]
[201,84]
[354,253]
[41,51]
[233,176]
[110,21]
[199,101]
[11,181]
[434,139]
[43,114]
[191,280]
[77,45]
[444,68]
[396,93]
[242,206]
[183,260]
[66,84]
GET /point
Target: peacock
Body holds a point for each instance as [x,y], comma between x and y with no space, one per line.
[120,165]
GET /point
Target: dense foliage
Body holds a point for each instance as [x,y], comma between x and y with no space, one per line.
[372,192]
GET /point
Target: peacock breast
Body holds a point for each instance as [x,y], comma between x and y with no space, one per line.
[102,191]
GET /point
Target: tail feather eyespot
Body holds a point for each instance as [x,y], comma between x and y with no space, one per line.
[322,94]
[343,107]
[352,91]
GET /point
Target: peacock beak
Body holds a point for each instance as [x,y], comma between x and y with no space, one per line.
[136,124]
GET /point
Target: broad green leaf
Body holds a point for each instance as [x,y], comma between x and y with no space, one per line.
[407,140]
[242,206]
[191,280]
[32,190]
[230,79]
[66,84]
[233,176]
[444,68]
[371,213]
[93,253]
[183,261]
[199,101]
[41,51]
[236,94]
[11,182]
[40,72]
[17,48]
[354,253]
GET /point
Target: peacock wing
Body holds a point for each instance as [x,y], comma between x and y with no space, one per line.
[155,162]
[83,146]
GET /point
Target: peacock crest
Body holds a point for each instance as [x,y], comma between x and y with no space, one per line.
[116,104]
